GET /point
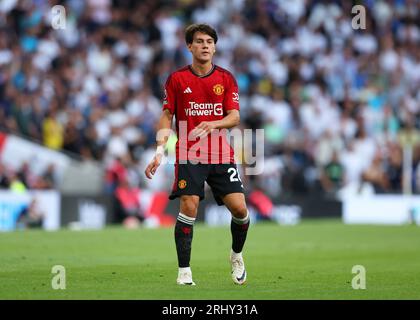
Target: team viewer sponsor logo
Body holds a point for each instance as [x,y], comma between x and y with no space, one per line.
[204,109]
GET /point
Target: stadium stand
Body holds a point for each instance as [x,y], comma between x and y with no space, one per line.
[334,101]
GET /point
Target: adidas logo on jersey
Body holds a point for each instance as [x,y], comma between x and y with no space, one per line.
[188,90]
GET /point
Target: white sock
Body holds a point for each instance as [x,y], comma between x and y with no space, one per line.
[182,270]
[234,254]
[185,219]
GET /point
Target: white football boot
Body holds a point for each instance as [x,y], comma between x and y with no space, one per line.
[185,277]
[238,268]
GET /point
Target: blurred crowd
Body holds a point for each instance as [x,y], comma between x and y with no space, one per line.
[336,103]
[22,179]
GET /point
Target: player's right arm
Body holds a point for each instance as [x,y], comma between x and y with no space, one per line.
[163,127]
[162,135]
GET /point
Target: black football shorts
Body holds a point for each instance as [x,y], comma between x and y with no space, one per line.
[222,179]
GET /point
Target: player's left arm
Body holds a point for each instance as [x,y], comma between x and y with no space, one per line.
[231,120]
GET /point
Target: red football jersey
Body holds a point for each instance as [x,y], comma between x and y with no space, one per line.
[193,99]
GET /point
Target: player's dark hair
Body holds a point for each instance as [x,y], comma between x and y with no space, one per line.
[204,28]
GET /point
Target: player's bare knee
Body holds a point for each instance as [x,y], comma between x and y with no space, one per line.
[239,211]
[189,207]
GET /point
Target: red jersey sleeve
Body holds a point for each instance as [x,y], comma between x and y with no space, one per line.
[169,98]
[231,100]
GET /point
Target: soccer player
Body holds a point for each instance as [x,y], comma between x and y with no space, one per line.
[204,99]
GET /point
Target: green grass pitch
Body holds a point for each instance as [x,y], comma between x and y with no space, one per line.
[312,260]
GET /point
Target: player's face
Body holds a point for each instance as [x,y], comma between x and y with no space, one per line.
[202,47]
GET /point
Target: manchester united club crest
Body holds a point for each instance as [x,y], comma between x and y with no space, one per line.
[218,89]
[182,184]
